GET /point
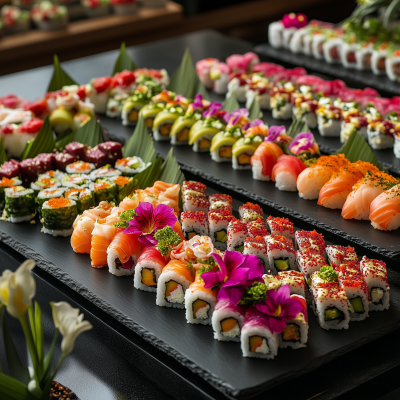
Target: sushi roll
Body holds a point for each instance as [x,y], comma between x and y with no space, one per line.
[381,134]
[47,194]
[243,150]
[125,186]
[80,167]
[308,262]
[332,46]
[353,120]
[304,147]
[280,101]
[275,34]
[44,182]
[281,254]
[263,160]
[297,40]
[385,211]
[257,228]
[250,212]
[194,186]
[172,284]
[148,269]
[295,280]
[237,233]
[222,144]
[257,339]
[83,198]
[378,59]
[353,283]
[194,223]
[348,51]
[295,334]
[104,172]
[237,87]
[258,88]
[157,104]
[200,302]
[375,275]
[310,240]
[368,188]
[104,189]
[392,65]
[219,73]
[203,68]
[219,202]
[363,56]
[282,227]
[59,215]
[130,166]
[227,321]
[330,300]
[258,247]
[98,91]
[329,121]
[218,221]
[285,172]
[317,44]
[76,181]
[195,202]
[4,184]
[19,204]
[338,255]
[115,104]
[305,108]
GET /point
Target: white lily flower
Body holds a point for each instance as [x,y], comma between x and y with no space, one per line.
[70,323]
[17,289]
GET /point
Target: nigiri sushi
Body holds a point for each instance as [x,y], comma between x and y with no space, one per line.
[311,180]
[286,171]
[368,188]
[102,211]
[82,235]
[102,236]
[385,210]
[334,193]
[132,201]
[263,160]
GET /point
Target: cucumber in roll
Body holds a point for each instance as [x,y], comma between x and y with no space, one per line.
[104,190]
[104,172]
[130,166]
[83,198]
[76,181]
[58,216]
[19,204]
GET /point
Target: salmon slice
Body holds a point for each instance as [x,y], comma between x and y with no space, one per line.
[385,210]
[125,245]
[82,235]
[102,236]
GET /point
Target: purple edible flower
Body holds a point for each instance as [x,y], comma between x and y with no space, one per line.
[274,132]
[294,21]
[234,117]
[212,110]
[303,142]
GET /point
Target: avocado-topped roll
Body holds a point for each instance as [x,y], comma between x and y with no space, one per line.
[47,194]
[104,172]
[242,151]
[58,216]
[4,184]
[76,181]
[19,204]
[202,132]
[83,198]
[130,166]
[104,190]
[164,120]
[125,186]
[180,129]
[80,167]
[44,182]
[157,104]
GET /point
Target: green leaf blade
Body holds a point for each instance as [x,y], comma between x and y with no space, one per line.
[170,172]
[44,142]
[124,61]
[90,134]
[298,126]
[255,111]
[60,78]
[3,155]
[39,333]
[230,104]
[150,175]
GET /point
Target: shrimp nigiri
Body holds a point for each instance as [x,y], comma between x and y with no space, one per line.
[286,171]
[311,180]
[385,210]
[263,160]
[358,202]
[82,235]
[102,236]
[334,193]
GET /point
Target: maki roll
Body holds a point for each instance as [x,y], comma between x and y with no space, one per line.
[332,46]
[219,202]
[4,184]
[349,50]
[275,34]
[281,254]
[174,280]
[76,181]
[353,120]
[148,269]
[194,186]
[282,227]
[98,91]
[218,222]
[310,240]
[378,58]
[115,104]
[44,182]
[194,223]
[329,121]
[203,68]
[375,275]
[125,186]
[83,198]
[258,247]
[250,212]
[195,202]
[219,73]
[157,104]
[227,321]
[295,280]
[104,190]
[19,204]
[130,166]
[364,55]
[80,167]
[308,262]
[237,234]
[392,65]
[237,86]
[104,172]
[258,88]
[58,216]
[257,339]
[179,133]
[304,108]
[47,194]
[281,101]
[243,150]
[263,160]
[257,228]
[330,300]
[381,134]
[338,255]
[200,302]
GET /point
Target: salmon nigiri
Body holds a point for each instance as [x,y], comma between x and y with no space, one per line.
[123,252]
[263,160]
[365,167]
[385,210]
[334,193]
[82,235]
[102,236]
[312,179]
[103,210]
[358,202]
[167,193]
[132,201]
[286,171]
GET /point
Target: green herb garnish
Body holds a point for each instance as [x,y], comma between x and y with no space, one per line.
[328,274]
[167,240]
[124,219]
[255,293]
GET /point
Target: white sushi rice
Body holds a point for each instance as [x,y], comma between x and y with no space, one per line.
[16,220]
[362,54]
[275,34]
[269,347]
[296,42]
[217,226]
[157,136]
[204,315]
[328,46]
[317,46]
[154,267]
[330,128]
[190,225]
[237,166]
[287,35]
[257,168]
[284,112]
[217,158]
[221,313]
[53,232]
[104,173]
[112,256]
[379,141]
[300,321]
[396,146]
[263,100]
[74,180]
[239,91]
[286,181]
[220,86]
[133,166]
[391,64]
[177,298]
[377,56]
[196,143]
[99,100]
[347,49]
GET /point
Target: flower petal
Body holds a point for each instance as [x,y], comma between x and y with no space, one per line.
[233,294]
[210,279]
[233,260]
[163,216]
[148,240]
[220,262]
[277,325]
[237,277]
[292,308]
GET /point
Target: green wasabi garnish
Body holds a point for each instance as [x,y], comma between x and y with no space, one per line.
[124,219]
[167,240]
[255,293]
[328,274]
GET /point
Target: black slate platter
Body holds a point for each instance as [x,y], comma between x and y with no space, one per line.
[220,364]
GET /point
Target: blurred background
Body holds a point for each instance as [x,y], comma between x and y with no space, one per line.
[30,37]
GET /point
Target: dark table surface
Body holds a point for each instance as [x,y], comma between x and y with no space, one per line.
[381,363]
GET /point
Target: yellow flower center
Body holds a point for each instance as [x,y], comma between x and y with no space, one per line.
[278,311]
[226,278]
[5,293]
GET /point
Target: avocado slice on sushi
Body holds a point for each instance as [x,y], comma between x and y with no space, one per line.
[239,248]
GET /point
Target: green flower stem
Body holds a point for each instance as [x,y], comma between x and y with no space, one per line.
[58,366]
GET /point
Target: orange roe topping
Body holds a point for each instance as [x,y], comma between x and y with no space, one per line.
[276,242]
[220,215]
[58,202]
[103,185]
[6,182]
[252,207]
[256,243]
[199,216]
[236,226]
[221,197]
[51,173]
[122,161]
[121,180]
[81,166]
[280,224]
[310,240]
[193,185]
[47,181]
